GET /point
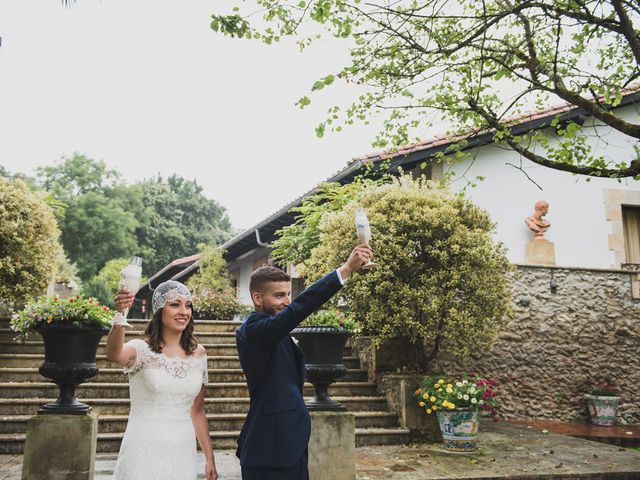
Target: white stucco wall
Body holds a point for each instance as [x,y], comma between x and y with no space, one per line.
[579,228]
[244,267]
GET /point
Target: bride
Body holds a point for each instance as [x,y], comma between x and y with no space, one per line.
[167,378]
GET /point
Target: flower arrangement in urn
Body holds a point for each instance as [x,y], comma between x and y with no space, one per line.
[331,318]
[51,310]
[71,329]
[458,404]
[322,338]
[602,403]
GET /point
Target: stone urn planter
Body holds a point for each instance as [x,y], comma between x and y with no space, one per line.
[69,359]
[602,409]
[323,348]
[459,429]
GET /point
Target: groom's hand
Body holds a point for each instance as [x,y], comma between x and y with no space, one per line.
[359,256]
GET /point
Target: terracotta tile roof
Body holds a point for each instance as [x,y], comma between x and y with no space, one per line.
[439,140]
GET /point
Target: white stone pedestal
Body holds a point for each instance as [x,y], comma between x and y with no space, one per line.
[60,447]
[332,447]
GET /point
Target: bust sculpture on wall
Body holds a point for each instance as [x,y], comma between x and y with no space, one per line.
[536,223]
[539,250]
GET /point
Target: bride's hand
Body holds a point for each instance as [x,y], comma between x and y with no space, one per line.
[210,471]
[123,300]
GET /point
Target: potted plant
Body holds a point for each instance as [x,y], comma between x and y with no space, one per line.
[602,404]
[71,330]
[322,337]
[457,404]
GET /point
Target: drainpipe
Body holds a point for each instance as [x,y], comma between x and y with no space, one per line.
[260,242]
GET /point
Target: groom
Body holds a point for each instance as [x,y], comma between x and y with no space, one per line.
[273,441]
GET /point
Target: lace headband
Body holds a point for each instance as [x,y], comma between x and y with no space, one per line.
[168,292]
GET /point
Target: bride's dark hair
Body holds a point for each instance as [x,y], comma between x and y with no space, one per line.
[153,332]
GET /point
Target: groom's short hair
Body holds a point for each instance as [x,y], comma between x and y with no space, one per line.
[266,274]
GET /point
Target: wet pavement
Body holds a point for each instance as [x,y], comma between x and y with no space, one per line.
[506,451]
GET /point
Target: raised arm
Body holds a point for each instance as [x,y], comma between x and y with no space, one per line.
[271,329]
[116,350]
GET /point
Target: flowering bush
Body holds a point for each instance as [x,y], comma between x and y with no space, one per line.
[604,390]
[217,304]
[74,311]
[439,393]
[331,318]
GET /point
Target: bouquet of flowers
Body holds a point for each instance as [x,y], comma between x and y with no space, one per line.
[604,390]
[468,392]
[45,311]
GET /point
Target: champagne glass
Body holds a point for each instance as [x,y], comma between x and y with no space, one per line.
[364,232]
[129,280]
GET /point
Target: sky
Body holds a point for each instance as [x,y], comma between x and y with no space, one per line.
[147,87]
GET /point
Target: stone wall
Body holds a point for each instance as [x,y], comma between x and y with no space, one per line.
[560,343]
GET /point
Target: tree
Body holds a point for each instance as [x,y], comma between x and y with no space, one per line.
[71,177]
[441,281]
[101,218]
[97,228]
[475,65]
[29,248]
[174,218]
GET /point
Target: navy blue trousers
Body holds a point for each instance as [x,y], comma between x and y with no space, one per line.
[300,471]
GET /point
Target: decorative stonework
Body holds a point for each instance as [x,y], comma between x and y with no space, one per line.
[613,201]
[558,344]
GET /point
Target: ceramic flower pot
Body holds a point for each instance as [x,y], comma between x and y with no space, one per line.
[323,348]
[602,410]
[459,429]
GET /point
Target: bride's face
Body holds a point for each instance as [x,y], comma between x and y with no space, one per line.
[176,315]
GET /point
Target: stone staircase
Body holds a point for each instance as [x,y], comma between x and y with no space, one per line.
[23,390]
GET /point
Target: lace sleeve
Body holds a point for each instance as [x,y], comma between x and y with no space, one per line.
[141,352]
[205,370]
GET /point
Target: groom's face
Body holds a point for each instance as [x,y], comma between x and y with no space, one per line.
[272,298]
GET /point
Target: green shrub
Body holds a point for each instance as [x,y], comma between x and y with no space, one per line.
[97,288]
[218,304]
[441,281]
[29,246]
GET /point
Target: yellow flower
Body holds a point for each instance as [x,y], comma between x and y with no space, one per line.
[425,396]
[434,408]
[49,319]
[449,390]
[421,404]
[429,411]
[449,386]
[437,385]
[452,406]
[433,399]
[441,381]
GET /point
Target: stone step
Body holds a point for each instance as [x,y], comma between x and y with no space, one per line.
[217,422]
[120,406]
[110,442]
[8,335]
[224,349]
[34,360]
[116,375]
[141,324]
[121,390]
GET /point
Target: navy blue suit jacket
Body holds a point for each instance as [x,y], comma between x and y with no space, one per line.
[277,428]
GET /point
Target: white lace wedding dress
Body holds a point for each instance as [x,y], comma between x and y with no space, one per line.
[159,442]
